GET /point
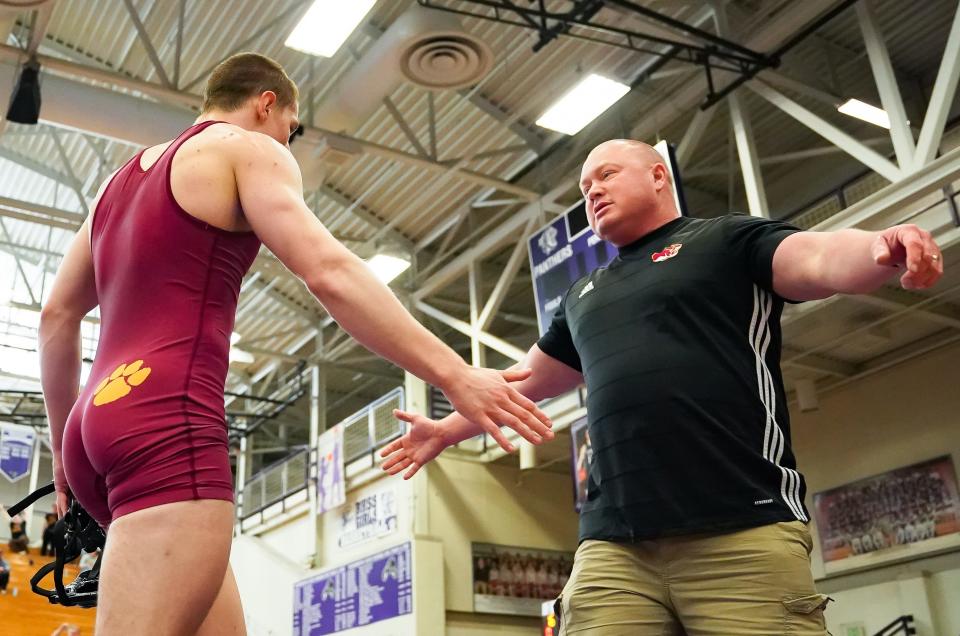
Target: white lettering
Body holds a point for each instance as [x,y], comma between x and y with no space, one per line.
[553,260]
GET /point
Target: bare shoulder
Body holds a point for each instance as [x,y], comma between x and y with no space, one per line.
[240,144]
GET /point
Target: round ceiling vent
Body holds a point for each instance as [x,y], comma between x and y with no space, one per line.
[446,60]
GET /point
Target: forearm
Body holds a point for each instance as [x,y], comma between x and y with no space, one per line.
[60,360]
[847,265]
[367,310]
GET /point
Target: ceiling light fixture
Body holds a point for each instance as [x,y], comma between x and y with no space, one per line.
[582,104]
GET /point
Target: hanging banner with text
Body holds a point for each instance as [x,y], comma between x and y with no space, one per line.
[375,589]
[370,517]
[16,450]
[331,485]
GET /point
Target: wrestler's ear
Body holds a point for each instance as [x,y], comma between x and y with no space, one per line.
[266,103]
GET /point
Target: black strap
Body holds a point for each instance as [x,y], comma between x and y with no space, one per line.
[22,505]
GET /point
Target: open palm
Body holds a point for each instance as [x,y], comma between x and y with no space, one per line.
[423,441]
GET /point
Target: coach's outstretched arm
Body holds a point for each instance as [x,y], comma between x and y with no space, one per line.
[812,265]
[427,438]
[271,194]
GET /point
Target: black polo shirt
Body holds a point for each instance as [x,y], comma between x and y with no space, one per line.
[678,340]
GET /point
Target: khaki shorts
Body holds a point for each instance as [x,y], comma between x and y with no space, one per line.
[754,581]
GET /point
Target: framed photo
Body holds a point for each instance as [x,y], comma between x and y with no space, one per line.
[916,504]
[516,581]
[582,455]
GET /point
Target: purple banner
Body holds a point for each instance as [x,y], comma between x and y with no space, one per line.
[560,254]
[375,589]
[16,450]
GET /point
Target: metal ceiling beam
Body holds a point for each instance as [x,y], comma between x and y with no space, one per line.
[819,364]
[405,127]
[786,82]
[158,133]
[899,356]
[886,80]
[799,155]
[828,131]
[941,99]
[39,167]
[495,343]
[393,154]
[896,299]
[695,129]
[362,212]
[496,237]
[16,258]
[849,335]
[147,43]
[65,160]
[887,207]
[178,45]
[743,134]
[771,35]
[73,219]
[509,273]
[39,29]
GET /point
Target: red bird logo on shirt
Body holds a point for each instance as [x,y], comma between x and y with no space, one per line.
[668,252]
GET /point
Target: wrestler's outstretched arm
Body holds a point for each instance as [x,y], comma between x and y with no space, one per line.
[812,265]
[73,296]
[427,438]
[271,195]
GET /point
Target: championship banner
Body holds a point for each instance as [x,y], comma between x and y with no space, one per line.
[331,486]
[566,249]
[16,450]
[375,589]
[370,517]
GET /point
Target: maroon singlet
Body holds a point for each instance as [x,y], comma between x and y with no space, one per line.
[149,427]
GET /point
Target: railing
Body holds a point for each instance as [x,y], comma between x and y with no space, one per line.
[372,426]
[859,187]
[902,625]
[275,483]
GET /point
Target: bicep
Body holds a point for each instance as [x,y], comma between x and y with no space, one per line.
[549,376]
[271,194]
[796,267]
[74,290]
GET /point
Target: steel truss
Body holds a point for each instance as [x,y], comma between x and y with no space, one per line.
[712,52]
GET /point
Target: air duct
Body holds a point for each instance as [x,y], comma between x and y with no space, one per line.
[104,112]
[429,48]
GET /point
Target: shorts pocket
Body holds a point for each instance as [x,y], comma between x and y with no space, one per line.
[558,614]
[804,615]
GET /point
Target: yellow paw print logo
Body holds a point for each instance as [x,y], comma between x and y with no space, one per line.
[120,382]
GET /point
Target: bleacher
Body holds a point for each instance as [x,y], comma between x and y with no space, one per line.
[23,613]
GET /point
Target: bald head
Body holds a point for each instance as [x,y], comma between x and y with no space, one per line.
[644,154]
[628,190]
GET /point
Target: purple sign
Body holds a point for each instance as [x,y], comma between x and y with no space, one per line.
[560,254]
[375,589]
[16,450]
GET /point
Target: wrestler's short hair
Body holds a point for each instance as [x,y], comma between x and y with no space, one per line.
[245,75]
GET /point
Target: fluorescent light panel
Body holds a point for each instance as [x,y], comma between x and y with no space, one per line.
[866,112]
[327,24]
[386,268]
[582,104]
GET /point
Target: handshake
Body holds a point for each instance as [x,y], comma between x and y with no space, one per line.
[484,401]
